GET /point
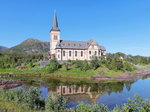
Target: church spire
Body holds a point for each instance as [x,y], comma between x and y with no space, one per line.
[55,23]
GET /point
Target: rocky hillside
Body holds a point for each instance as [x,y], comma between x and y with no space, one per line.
[30,46]
[2,48]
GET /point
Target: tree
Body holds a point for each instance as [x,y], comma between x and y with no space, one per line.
[94,63]
[53,66]
[66,66]
[85,66]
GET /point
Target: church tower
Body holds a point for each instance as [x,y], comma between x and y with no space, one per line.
[54,35]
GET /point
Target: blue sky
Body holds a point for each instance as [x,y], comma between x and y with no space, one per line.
[119,25]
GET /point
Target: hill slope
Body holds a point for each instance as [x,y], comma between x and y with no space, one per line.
[30,46]
[2,48]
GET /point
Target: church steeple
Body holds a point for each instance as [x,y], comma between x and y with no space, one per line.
[55,23]
[54,35]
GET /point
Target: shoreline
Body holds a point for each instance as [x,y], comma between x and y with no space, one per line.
[7,84]
[126,76]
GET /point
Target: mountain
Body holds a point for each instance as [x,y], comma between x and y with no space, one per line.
[2,48]
[30,46]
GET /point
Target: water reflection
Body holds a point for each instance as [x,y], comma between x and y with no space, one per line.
[84,92]
[107,93]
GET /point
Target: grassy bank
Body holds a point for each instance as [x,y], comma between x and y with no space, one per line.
[71,72]
[141,67]
[112,65]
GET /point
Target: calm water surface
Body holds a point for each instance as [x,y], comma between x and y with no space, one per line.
[105,93]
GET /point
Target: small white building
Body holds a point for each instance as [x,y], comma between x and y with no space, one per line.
[72,50]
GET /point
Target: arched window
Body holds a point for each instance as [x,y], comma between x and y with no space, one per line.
[63,53]
[90,52]
[95,52]
[55,37]
[75,53]
[99,53]
[64,90]
[102,53]
[81,53]
[69,90]
[82,89]
[69,53]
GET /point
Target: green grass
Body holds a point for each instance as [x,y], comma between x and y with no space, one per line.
[76,72]
[73,71]
[6,106]
[141,67]
[28,71]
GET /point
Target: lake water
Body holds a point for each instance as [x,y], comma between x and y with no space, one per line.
[100,93]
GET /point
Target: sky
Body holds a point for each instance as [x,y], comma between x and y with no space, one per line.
[119,25]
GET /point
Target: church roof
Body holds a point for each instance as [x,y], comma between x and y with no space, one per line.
[80,45]
[55,23]
[102,48]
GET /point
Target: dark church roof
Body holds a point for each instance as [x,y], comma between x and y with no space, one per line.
[80,45]
[102,48]
[55,23]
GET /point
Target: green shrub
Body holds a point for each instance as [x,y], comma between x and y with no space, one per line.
[85,66]
[136,105]
[66,65]
[90,108]
[94,63]
[31,98]
[53,66]
[55,103]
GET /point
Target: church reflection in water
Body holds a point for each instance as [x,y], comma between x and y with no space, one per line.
[80,93]
[91,93]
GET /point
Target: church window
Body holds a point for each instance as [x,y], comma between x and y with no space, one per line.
[63,53]
[63,90]
[99,53]
[95,52]
[55,37]
[81,53]
[75,53]
[69,90]
[69,53]
[58,56]
[82,89]
[90,52]
[76,90]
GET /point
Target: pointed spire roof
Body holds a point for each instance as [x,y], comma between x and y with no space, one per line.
[55,23]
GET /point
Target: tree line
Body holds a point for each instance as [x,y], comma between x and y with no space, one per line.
[116,62]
